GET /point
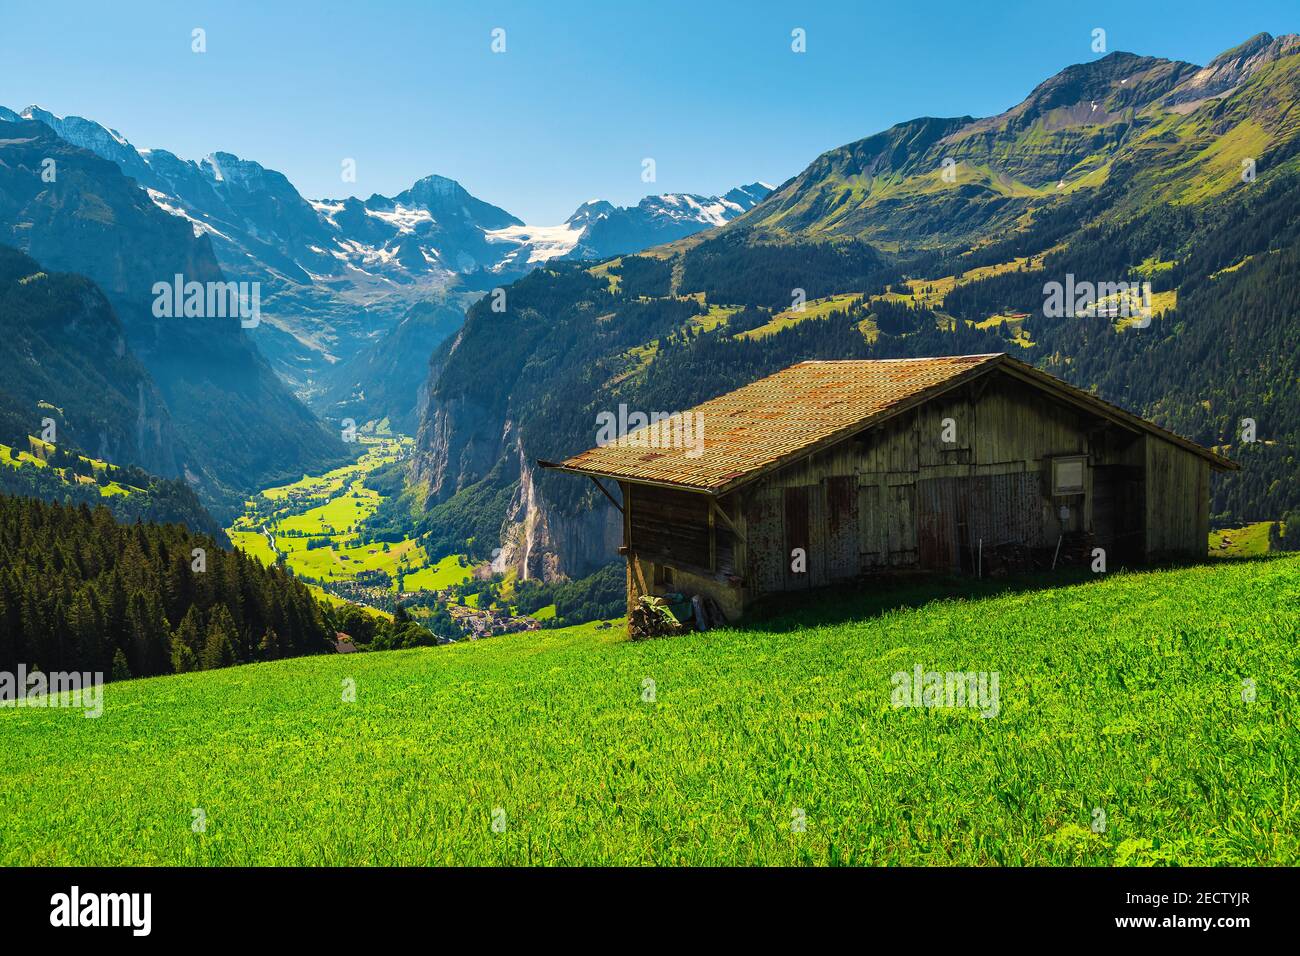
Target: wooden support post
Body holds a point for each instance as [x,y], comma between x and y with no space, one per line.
[626,488]
[595,481]
[715,507]
[713,540]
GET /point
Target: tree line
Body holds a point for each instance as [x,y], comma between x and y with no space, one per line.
[81,592]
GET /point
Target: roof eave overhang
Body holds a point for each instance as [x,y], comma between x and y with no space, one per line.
[615,476]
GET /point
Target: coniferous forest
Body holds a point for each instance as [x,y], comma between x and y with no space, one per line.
[81,592]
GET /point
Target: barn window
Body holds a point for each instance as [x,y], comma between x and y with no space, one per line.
[1068,474]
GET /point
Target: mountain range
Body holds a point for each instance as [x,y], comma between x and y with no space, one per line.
[209,407]
[354,294]
[936,236]
[338,274]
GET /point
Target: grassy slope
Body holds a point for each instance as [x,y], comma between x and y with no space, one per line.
[1123,693]
[17,458]
[815,309]
[1242,542]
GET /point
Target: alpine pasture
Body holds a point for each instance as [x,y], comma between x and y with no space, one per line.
[1144,719]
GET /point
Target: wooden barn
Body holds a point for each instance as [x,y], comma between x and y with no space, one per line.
[829,471]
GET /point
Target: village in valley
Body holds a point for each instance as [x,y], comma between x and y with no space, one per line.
[315,527]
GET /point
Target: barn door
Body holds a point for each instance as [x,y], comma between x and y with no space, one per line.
[841,527]
[873,543]
[886,522]
[1118,516]
[805,516]
[941,532]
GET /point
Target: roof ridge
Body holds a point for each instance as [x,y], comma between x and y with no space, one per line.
[878,361]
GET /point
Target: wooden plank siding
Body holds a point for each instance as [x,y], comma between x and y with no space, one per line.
[896,495]
[764,568]
[1177,500]
[671,525]
[925,503]
[842,552]
[796,505]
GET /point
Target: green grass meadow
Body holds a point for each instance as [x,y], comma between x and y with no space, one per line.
[344,503]
[1127,695]
[1240,542]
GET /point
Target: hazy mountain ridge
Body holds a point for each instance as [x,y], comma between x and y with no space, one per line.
[386,379]
[337,274]
[239,426]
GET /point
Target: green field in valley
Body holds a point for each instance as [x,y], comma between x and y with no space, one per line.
[1241,542]
[327,511]
[1142,719]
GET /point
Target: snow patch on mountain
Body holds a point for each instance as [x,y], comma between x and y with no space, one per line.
[327,210]
[162,201]
[338,271]
[402,218]
[537,243]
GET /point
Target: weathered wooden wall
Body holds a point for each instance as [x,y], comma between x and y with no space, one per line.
[925,503]
[1177,500]
[899,496]
[670,524]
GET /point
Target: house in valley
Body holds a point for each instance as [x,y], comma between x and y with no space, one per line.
[831,470]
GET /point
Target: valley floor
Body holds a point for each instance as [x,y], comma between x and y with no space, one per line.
[1144,718]
[314,523]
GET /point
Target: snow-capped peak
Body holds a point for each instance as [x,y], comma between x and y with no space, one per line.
[589,211]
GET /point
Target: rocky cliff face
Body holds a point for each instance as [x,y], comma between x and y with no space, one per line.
[466,441]
[66,358]
[1230,69]
[459,442]
[538,539]
[541,541]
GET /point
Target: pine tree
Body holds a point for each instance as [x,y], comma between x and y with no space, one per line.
[270,649]
[83,629]
[219,647]
[183,659]
[150,640]
[120,669]
[191,631]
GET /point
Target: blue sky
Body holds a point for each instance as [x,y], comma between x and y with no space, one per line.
[584,91]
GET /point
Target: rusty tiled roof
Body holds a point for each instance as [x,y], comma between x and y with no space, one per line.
[776,418]
[808,406]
